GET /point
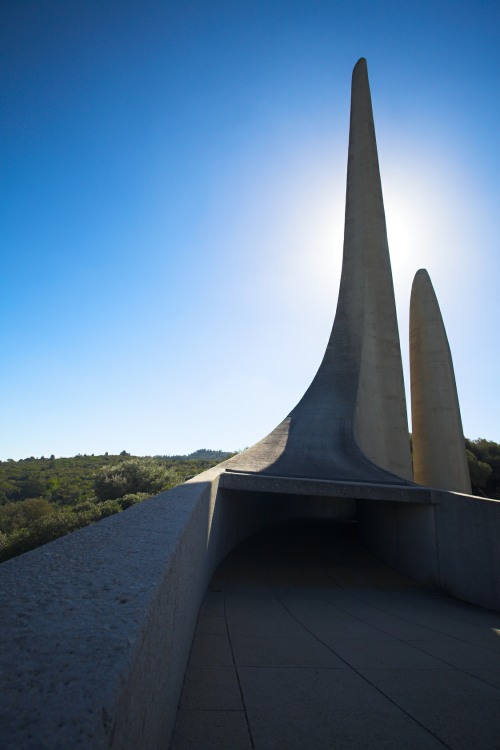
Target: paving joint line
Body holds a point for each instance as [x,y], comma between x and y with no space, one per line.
[236,667]
[362,676]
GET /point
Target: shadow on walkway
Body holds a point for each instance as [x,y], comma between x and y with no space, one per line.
[306,641]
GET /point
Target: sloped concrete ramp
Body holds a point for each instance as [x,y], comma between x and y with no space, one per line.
[305,640]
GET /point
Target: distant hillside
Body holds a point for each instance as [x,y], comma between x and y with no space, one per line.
[202,454]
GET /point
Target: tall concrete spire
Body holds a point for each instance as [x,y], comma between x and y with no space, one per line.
[367,296]
[439,457]
[351,423]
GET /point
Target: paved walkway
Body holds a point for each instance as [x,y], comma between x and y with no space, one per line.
[305,641]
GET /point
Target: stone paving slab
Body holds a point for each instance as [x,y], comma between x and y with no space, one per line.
[211,625]
[262,618]
[298,576]
[213,688]
[211,730]
[392,654]
[460,709]
[321,667]
[328,621]
[460,654]
[491,676]
[211,650]
[213,605]
[389,625]
[287,652]
[293,709]
[432,612]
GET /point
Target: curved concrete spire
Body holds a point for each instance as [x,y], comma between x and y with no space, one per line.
[351,424]
[439,458]
[381,422]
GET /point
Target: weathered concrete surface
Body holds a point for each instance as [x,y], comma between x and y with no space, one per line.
[439,458]
[351,424]
[97,627]
[305,640]
[450,543]
[315,488]
[381,424]
[467,534]
[403,535]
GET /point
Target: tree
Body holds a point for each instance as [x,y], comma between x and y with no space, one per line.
[487,452]
[22,514]
[130,477]
[479,471]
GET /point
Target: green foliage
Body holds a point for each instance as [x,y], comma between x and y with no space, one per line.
[487,454]
[70,493]
[483,459]
[479,471]
[62,481]
[23,514]
[127,500]
[59,523]
[129,477]
[203,454]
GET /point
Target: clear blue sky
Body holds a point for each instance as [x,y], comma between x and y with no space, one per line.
[172,187]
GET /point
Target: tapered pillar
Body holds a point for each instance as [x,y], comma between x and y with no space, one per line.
[351,424]
[380,422]
[439,458]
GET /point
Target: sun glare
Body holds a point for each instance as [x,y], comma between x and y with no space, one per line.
[427,225]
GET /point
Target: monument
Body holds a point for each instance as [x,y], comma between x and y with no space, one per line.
[97,626]
[351,424]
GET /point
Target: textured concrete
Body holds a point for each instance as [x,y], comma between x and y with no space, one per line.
[439,458]
[404,536]
[467,533]
[450,543]
[97,627]
[330,648]
[381,425]
[351,424]
[316,488]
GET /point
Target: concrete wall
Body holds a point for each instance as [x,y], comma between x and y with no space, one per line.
[468,540]
[403,536]
[97,626]
[452,544]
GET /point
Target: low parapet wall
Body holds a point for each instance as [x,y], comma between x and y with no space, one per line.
[97,626]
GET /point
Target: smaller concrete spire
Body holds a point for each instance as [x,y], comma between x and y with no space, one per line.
[439,458]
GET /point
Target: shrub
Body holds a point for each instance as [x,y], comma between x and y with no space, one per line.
[23,513]
[479,471]
[143,475]
[127,500]
[61,522]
